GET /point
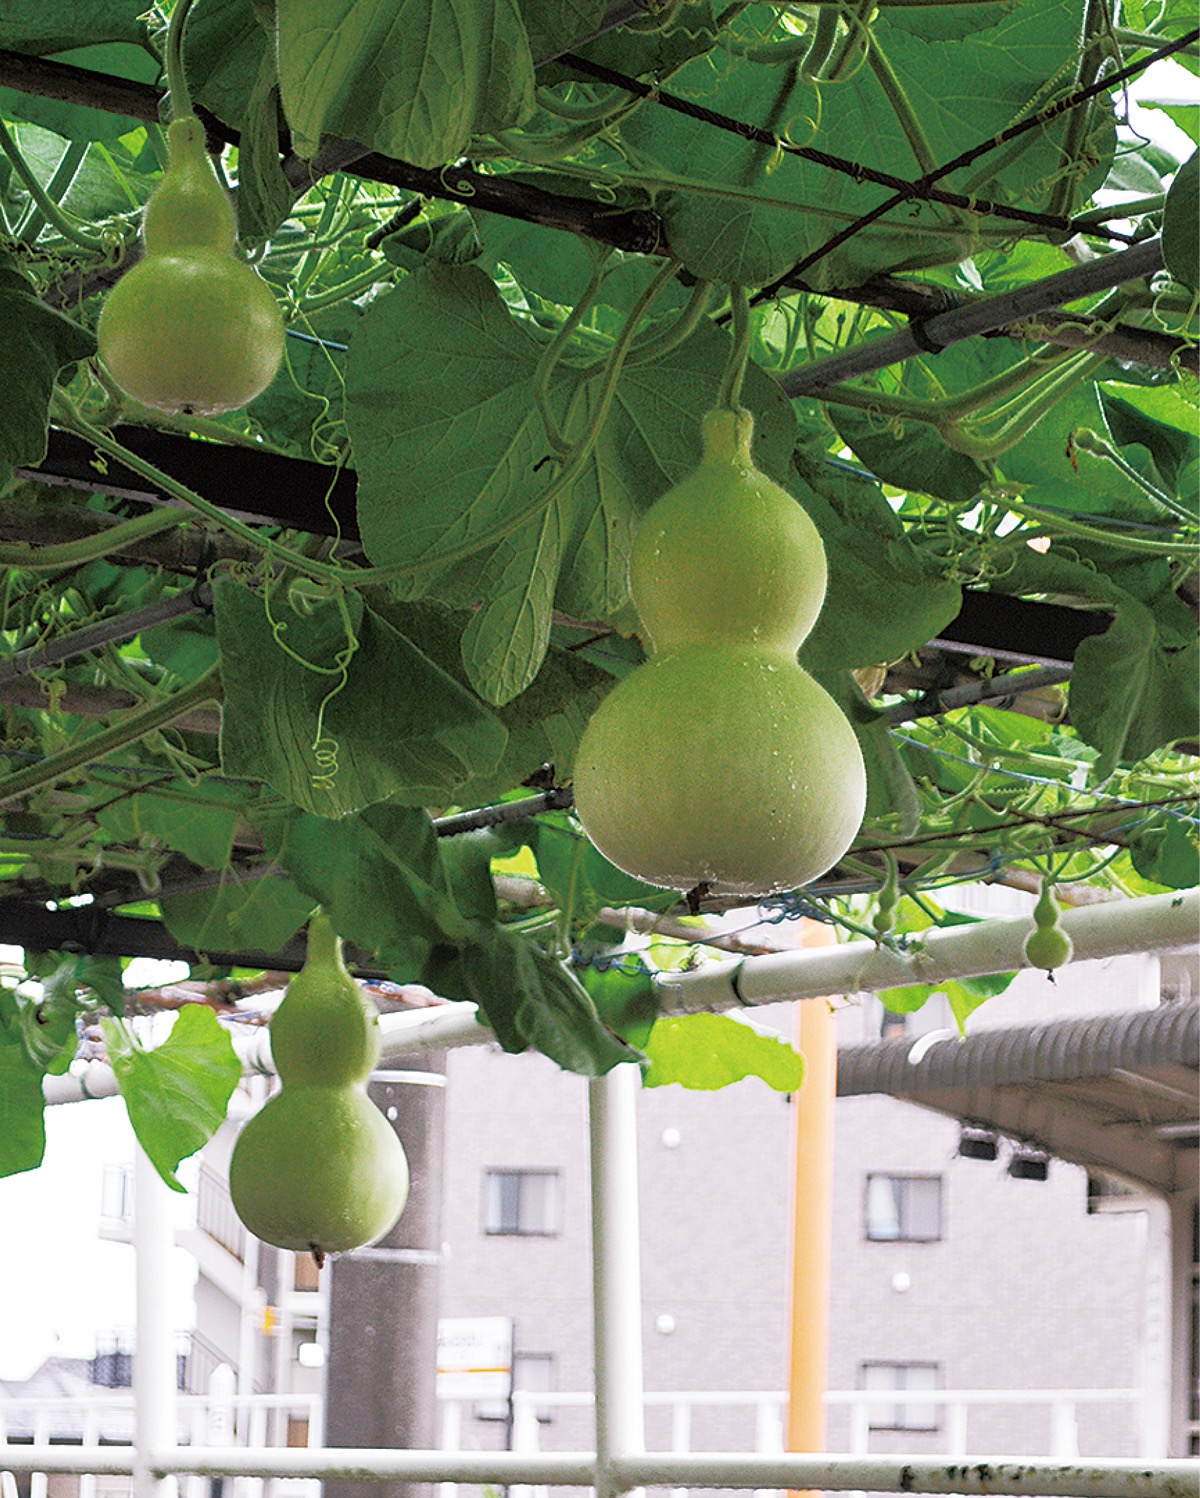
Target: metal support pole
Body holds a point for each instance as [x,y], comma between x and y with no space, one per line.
[616,1273]
[154,1374]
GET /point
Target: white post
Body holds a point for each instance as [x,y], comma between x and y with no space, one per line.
[154,1373]
[38,1481]
[616,1272]
[681,1435]
[1064,1431]
[956,1428]
[91,1437]
[451,1439]
[860,1427]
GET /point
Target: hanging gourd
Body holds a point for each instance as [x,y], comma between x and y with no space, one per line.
[1048,946]
[720,761]
[191,327]
[318,1168]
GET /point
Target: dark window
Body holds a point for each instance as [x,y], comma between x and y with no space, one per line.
[521,1202]
[904,1207]
[904,1379]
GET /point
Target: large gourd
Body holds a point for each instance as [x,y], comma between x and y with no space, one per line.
[318,1168]
[191,327]
[720,761]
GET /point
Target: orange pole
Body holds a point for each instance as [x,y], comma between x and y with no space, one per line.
[812,1223]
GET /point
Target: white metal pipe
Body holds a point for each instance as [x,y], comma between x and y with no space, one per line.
[1127,1478]
[971,1475]
[1151,924]
[154,1375]
[500,1468]
[616,1272]
[1155,923]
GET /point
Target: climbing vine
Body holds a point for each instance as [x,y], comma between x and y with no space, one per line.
[511,288]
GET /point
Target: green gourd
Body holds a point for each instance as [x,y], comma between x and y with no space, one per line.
[1047,946]
[319,1168]
[720,761]
[191,327]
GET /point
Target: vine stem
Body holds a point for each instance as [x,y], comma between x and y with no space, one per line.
[730,395]
[181,97]
[129,730]
[91,548]
[46,205]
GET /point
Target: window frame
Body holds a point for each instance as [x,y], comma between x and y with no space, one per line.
[554,1213]
[903,1235]
[901,1408]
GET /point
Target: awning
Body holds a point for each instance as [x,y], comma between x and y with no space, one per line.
[1118,1093]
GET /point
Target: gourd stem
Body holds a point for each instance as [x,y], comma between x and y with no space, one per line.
[730,394]
[181,98]
[324,944]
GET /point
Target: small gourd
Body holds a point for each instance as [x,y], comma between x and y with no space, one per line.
[318,1167]
[1047,946]
[720,761]
[191,327]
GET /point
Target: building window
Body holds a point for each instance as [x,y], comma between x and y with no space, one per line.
[116,1193]
[524,1202]
[907,1379]
[532,1373]
[904,1207]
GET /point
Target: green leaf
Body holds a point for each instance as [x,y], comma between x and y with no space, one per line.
[1166,849]
[176,1094]
[379,876]
[41,29]
[708,1051]
[554,25]
[198,824]
[35,344]
[1180,234]
[449,450]
[224,50]
[260,915]
[915,458]
[886,596]
[318,736]
[22,1127]
[265,196]
[413,79]
[579,876]
[531,999]
[622,988]
[963,997]
[1131,692]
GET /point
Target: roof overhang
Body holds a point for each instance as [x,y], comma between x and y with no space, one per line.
[1117,1093]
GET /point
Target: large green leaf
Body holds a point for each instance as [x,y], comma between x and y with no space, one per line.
[886,596]
[36,343]
[22,1126]
[532,999]
[177,1093]
[741,213]
[319,733]
[33,26]
[381,879]
[450,453]
[241,914]
[198,823]
[411,78]
[1181,237]
[708,1051]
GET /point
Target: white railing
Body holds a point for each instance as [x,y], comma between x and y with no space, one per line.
[769,1409]
[220,1418]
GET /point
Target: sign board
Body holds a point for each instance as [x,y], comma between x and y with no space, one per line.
[474,1359]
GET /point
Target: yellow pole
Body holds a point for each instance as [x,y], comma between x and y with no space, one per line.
[812,1223]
